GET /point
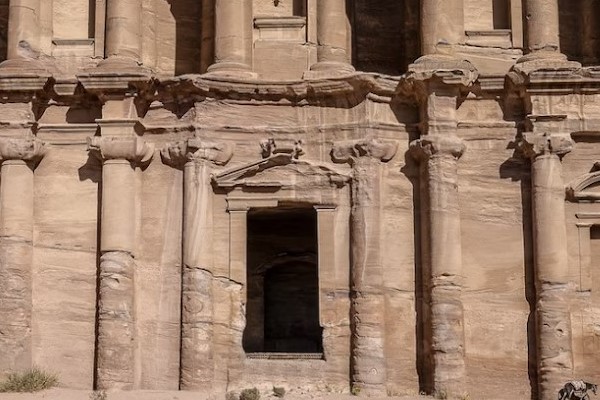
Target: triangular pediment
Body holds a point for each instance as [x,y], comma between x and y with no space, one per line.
[281,171]
[586,187]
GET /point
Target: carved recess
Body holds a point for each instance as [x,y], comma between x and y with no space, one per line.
[27,149]
[130,148]
[196,149]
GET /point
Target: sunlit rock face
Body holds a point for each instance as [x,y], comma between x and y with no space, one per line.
[371,197]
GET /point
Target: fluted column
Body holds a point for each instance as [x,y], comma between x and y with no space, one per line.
[333,31]
[439,155]
[197,158]
[23,28]
[233,37]
[116,320]
[367,297]
[553,327]
[123,41]
[18,158]
[442,25]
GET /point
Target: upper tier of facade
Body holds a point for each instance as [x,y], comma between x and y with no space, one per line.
[283,39]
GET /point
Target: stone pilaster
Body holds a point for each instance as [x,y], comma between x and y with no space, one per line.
[197,157]
[116,320]
[333,31]
[18,157]
[233,38]
[553,327]
[439,155]
[368,367]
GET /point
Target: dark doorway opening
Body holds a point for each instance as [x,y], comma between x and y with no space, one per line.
[282,314]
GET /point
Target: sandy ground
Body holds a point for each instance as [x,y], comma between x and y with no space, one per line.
[64,394]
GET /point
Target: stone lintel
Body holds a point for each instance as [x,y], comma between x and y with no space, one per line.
[132,148]
[196,150]
[433,145]
[533,144]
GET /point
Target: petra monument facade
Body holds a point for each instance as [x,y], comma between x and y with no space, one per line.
[371,196]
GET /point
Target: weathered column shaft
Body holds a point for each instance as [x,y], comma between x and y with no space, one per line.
[442,22]
[445,281]
[18,157]
[555,353]
[23,26]
[197,363]
[233,35]
[332,32]
[115,353]
[368,366]
[124,29]
[439,156]
[542,25]
[197,158]
[368,320]
[120,152]
[16,257]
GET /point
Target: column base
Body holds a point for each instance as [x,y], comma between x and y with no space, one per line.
[328,69]
[231,69]
[545,59]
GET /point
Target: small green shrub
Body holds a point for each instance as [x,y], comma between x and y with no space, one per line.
[250,394]
[278,391]
[355,390]
[441,394]
[98,395]
[31,380]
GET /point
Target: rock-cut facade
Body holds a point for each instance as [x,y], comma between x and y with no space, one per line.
[376,197]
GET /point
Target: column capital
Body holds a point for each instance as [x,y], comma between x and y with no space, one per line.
[437,145]
[196,150]
[351,150]
[25,149]
[533,144]
[131,148]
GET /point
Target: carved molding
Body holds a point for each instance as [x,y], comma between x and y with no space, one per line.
[349,151]
[437,145]
[534,145]
[26,149]
[580,188]
[131,148]
[196,150]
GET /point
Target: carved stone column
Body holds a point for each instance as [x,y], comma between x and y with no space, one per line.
[542,25]
[23,29]
[333,29]
[367,298]
[442,25]
[197,158]
[18,157]
[553,327]
[233,37]
[439,155]
[124,29]
[116,323]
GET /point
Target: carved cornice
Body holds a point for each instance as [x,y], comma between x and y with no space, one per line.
[195,150]
[131,148]
[29,149]
[533,145]
[350,151]
[433,145]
